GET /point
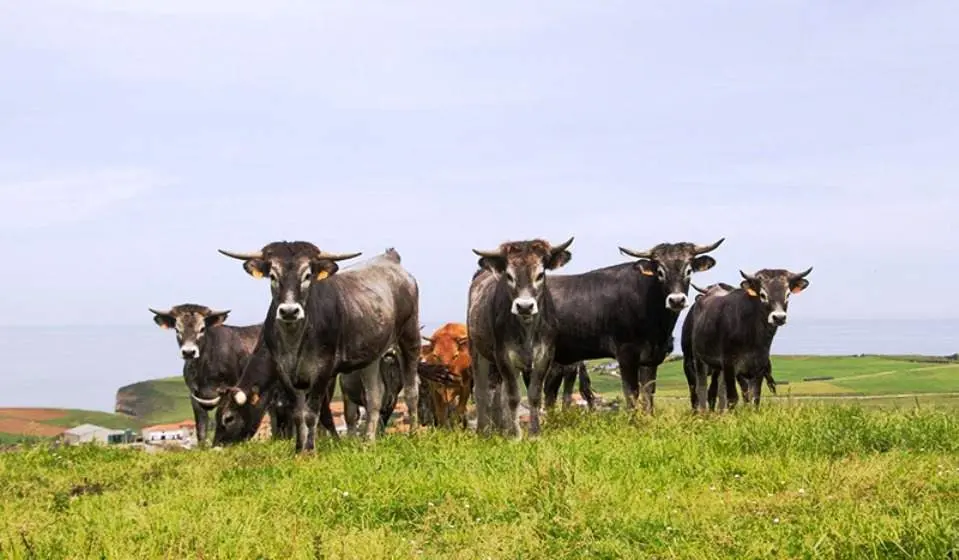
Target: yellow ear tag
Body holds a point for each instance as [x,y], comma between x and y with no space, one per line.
[322,274]
[255,272]
[751,292]
[647,272]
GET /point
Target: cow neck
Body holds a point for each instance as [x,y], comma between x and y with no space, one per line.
[289,342]
[529,334]
[759,318]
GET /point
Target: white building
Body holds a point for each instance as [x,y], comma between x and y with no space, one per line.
[85,433]
[178,432]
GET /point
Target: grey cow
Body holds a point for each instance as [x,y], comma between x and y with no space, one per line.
[323,322]
[354,393]
[511,325]
[732,335]
[214,354]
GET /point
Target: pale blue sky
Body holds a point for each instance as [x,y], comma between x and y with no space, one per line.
[138,137]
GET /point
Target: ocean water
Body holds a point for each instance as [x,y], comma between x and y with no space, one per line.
[82,367]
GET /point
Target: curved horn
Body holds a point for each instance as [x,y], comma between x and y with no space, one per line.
[697,288]
[155,312]
[489,254]
[242,256]
[747,276]
[337,256]
[637,254]
[206,402]
[803,274]
[562,247]
[700,249]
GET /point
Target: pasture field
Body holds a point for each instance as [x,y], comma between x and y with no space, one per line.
[830,481]
[18,424]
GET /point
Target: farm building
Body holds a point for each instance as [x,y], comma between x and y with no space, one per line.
[176,432]
[85,433]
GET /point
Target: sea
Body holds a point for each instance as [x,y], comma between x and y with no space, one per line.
[82,367]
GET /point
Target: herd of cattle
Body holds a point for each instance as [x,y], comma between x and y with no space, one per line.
[361,325]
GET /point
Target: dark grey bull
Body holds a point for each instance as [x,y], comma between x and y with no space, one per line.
[354,393]
[214,354]
[731,335]
[628,312]
[511,323]
[322,322]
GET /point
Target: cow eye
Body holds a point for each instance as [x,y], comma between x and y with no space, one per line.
[510,277]
[763,295]
[540,276]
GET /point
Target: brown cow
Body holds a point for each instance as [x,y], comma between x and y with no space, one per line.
[449,347]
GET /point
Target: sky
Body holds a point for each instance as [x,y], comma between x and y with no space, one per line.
[137,137]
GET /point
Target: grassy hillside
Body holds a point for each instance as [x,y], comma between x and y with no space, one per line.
[782,482]
[24,424]
[156,401]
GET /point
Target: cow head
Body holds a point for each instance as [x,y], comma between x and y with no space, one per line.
[772,288]
[523,265]
[673,264]
[238,415]
[190,322]
[717,289]
[292,267]
[447,348]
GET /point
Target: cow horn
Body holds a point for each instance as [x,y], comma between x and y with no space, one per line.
[803,274]
[337,256]
[697,288]
[562,247]
[747,276]
[489,254]
[155,312]
[242,256]
[206,402]
[700,249]
[637,254]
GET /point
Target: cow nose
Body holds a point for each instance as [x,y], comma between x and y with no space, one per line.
[676,301]
[524,306]
[778,318]
[289,311]
[228,419]
[189,353]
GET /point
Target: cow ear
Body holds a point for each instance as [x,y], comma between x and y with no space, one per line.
[798,285]
[646,267]
[699,297]
[493,264]
[216,318]
[703,263]
[749,288]
[254,395]
[462,341]
[257,268]
[163,320]
[556,260]
[324,268]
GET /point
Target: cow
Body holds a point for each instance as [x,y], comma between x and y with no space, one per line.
[214,354]
[353,393]
[566,376]
[322,322]
[511,323]
[449,346]
[732,334]
[628,312]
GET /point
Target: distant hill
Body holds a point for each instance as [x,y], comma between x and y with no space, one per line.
[155,401]
[17,424]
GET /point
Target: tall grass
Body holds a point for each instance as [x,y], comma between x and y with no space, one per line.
[782,482]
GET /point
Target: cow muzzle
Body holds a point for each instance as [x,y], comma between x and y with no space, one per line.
[676,301]
[777,318]
[289,312]
[524,307]
[189,351]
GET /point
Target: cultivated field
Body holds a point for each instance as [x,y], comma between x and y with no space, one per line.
[807,480]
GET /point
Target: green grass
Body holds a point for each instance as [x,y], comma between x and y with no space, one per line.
[157,401]
[835,481]
[105,419]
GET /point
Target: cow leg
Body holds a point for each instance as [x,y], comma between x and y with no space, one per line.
[373,390]
[585,385]
[509,388]
[551,389]
[647,386]
[629,375]
[326,413]
[757,390]
[305,420]
[481,392]
[569,381]
[534,395]
[732,391]
[409,345]
[462,401]
[202,420]
[700,380]
[716,387]
[351,415]
[690,371]
[745,386]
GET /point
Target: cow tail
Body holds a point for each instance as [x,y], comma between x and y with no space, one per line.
[585,384]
